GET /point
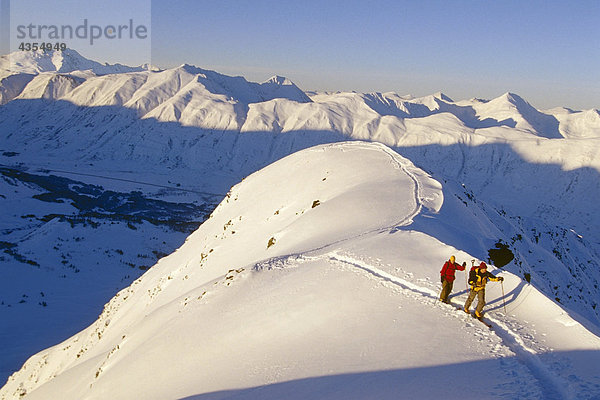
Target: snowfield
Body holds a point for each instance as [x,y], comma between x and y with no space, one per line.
[316,287]
[317,275]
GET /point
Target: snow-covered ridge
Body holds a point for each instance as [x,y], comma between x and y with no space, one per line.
[69,60]
[324,276]
[317,197]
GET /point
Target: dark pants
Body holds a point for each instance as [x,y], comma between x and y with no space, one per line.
[446,289]
[480,300]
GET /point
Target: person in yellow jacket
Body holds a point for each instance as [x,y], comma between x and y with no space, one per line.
[478,277]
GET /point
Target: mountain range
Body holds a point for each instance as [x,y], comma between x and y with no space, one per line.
[317,274]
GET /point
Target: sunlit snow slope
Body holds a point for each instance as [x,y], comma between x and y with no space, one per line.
[315,278]
[104,166]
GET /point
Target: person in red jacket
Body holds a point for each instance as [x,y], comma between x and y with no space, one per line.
[447,275]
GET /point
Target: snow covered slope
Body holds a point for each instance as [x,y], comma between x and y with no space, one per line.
[19,68]
[186,135]
[67,247]
[314,278]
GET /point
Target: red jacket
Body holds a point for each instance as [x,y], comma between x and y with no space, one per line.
[448,270]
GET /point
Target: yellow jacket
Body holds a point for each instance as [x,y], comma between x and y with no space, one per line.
[478,278]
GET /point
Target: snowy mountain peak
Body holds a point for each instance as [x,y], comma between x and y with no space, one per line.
[442,96]
[68,60]
[237,88]
[280,80]
[63,61]
[514,99]
[191,69]
[44,61]
[281,87]
[512,110]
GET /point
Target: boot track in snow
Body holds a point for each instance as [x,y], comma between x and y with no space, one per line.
[552,386]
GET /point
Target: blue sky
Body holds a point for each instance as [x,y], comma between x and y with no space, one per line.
[546,51]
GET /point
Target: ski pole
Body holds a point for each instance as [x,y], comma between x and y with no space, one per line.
[503,301]
[467,276]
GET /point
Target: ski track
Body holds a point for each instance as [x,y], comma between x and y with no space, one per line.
[552,386]
[407,220]
[398,164]
[416,189]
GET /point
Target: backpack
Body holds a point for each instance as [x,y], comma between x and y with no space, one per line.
[473,275]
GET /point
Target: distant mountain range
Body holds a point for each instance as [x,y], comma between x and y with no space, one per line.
[106,169]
